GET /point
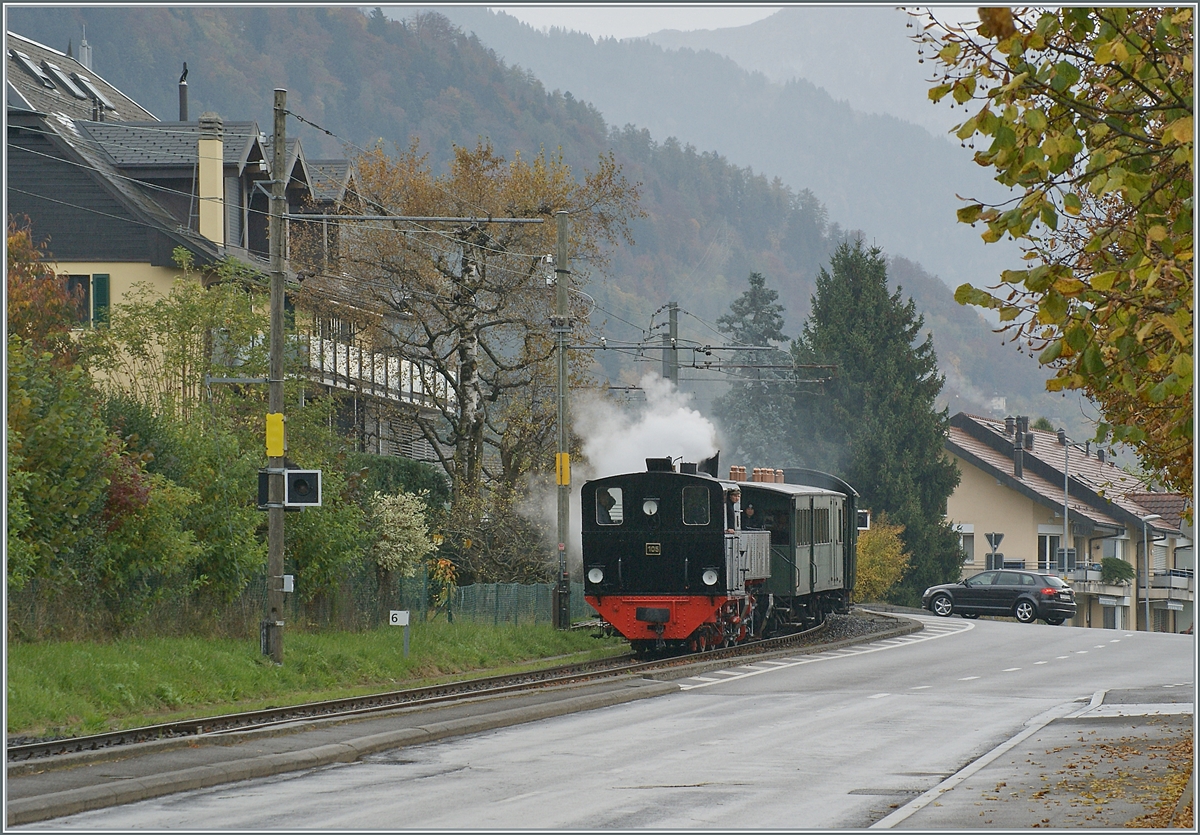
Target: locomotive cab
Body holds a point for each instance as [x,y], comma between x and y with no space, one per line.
[659,565]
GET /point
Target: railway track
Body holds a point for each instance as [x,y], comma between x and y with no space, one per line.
[21,750]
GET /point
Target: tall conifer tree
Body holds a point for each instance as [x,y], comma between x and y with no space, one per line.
[877,425]
[754,412]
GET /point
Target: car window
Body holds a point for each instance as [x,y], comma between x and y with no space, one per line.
[1028,580]
[1008,578]
[1055,582]
[984,579]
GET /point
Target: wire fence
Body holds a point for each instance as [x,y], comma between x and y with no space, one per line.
[362,601]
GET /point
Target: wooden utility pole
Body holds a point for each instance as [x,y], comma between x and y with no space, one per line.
[561,325]
[276,446]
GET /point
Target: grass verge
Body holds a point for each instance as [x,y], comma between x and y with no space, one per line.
[77,687]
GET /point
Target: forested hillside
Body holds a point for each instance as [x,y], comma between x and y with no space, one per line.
[365,79]
[891,178]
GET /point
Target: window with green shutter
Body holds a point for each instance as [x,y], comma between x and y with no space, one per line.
[100,300]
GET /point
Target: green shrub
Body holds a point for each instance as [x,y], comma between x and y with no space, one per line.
[1115,570]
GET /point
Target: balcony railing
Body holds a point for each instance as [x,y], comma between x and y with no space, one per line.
[1173,578]
[376,373]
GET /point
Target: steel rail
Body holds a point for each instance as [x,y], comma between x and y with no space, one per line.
[392,700]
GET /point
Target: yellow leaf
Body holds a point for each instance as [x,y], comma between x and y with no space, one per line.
[1170,324]
[1157,233]
[1183,366]
[1181,130]
[1104,281]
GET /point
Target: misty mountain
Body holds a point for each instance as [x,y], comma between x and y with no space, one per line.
[888,177]
[709,221]
[857,54]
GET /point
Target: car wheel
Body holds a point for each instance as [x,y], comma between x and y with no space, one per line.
[942,605]
[1055,621]
[1024,611]
[968,616]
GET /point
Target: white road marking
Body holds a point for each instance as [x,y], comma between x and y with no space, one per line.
[931,632]
[969,678]
[1032,727]
[1040,662]
[921,687]
[1012,669]
[879,696]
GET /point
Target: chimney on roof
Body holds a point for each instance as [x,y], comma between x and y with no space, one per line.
[183,93]
[85,51]
[211,163]
[1010,424]
[1100,455]
[70,51]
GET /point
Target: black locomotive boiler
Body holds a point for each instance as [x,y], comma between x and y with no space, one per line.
[673,563]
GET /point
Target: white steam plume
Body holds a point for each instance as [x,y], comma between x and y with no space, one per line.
[619,441]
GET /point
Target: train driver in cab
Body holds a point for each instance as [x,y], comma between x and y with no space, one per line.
[733,500]
[604,505]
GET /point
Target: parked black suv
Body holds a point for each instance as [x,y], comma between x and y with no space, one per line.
[1025,595]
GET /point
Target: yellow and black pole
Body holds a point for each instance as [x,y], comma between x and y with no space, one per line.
[561,323]
[276,443]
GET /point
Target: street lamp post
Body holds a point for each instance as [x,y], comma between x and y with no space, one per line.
[1067,443]
[1146,556]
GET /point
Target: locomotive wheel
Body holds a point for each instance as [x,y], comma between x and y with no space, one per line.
[642,648]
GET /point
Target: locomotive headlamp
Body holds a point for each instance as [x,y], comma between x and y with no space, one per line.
[709,576]
[650,507]
[595,575]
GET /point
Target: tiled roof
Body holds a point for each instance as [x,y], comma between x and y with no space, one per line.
[53,95]
[331,177]
[171,144]
[294,154]
[1099,491]
[1170,506]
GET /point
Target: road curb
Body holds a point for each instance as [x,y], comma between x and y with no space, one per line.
[73,801]
[1031,727]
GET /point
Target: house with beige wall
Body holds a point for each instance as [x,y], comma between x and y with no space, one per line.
[1020,483]
[116,191]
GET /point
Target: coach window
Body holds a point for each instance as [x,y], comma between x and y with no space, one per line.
[608,506]
[695,505]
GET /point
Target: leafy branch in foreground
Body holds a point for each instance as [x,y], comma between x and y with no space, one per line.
[1090,117]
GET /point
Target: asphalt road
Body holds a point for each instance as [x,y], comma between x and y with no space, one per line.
[903,733]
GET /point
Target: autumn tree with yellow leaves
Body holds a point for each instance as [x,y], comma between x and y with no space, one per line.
[470,300]
[882,560]
[1086,113]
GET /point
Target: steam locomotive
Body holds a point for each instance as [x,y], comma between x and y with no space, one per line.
[679,561]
